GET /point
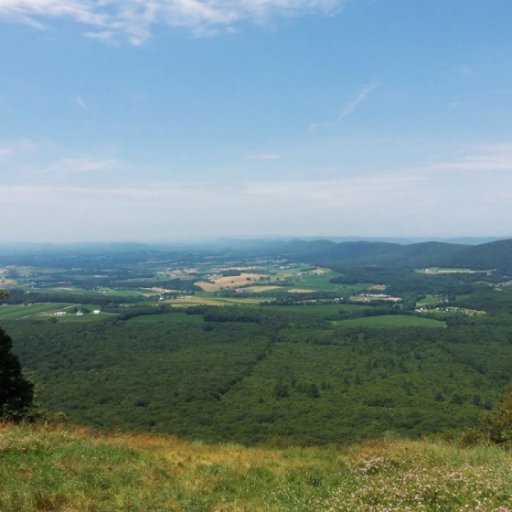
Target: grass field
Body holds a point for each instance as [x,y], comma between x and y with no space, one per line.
[321,282]
[29,311]
[430,300]
[128,293]
[72,470]
[261,289]
[46,311]
[391,321]
[198,300]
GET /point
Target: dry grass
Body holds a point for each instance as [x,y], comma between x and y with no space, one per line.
[319,271]
[259,289]
[7,282]
[196,300]
[230,282]
[72,470]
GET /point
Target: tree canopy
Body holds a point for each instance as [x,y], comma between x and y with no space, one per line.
[16,393]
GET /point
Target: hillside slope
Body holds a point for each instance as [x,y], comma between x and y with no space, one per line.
[497,254]
[70,470]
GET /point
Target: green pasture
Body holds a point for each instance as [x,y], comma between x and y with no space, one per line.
[320,283]
[124,292]
[429,300]
[79,292]
[20,312]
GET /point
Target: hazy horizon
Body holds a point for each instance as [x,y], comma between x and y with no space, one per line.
[234,240]
[213,119]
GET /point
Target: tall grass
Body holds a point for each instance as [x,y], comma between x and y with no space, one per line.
[63,469]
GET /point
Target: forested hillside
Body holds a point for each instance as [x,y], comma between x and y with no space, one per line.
[263,377]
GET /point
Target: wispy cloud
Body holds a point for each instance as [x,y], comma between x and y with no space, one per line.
[350,107]
[436,205]
[83,165]
[495,157]
[360,97]
[78,100]
[16,147]
[134,19]
[265,155]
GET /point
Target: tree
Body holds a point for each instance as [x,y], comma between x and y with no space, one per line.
[16,393]
[498,423]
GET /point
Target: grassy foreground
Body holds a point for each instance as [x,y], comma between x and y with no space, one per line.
[63,469]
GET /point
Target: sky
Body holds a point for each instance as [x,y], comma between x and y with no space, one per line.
[168,120]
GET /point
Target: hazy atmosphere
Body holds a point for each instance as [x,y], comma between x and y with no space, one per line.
[170,119]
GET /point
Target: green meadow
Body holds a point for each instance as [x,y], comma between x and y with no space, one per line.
[23,311]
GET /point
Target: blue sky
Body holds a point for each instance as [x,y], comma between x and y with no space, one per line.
[166,120]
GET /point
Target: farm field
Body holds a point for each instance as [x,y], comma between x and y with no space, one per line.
[430,300]
[207,300]
[260,289]
[30,311]
[231,282]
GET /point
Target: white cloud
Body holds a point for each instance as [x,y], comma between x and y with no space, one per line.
[265,155]
[93,198]
[134,19]
[386,205]
[350,107]
[82,165]
[496,157]
[16,148]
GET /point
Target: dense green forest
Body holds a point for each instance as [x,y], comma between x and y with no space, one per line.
[266,376]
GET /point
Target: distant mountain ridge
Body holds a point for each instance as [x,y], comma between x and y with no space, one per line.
[490,255]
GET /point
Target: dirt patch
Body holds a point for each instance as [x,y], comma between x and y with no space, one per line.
[319,271]
[259,289]
[7,282]
[230,282]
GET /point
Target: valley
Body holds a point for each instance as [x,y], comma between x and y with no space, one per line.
[220,345]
